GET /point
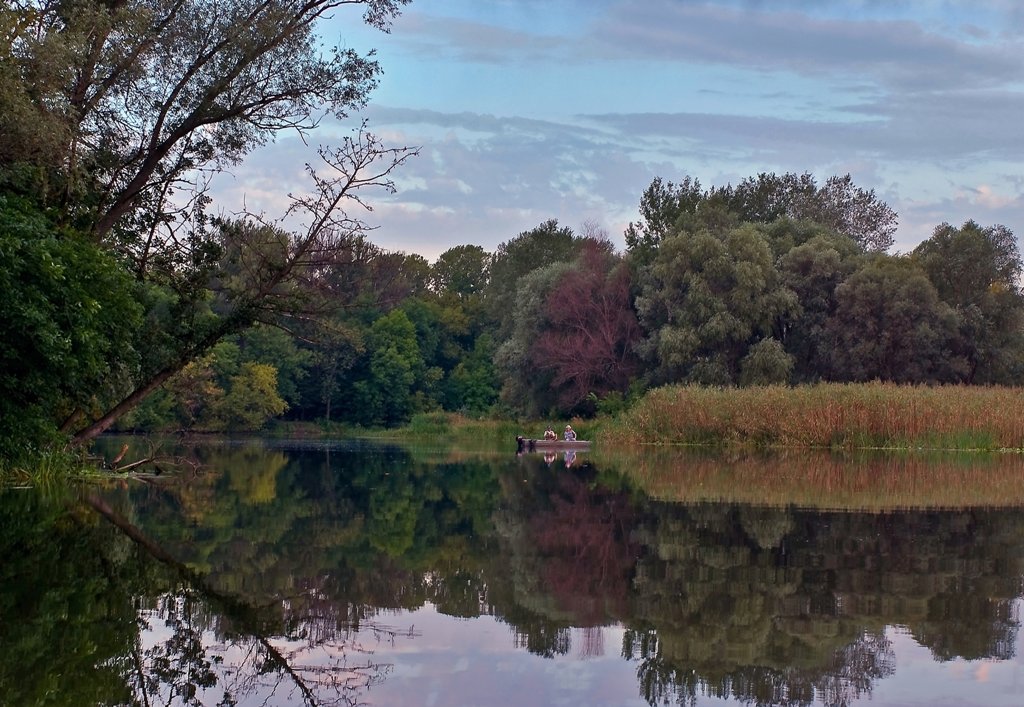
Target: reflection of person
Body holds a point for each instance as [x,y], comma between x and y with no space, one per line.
[550,433]
[570,457]
[570,434]
[549,458]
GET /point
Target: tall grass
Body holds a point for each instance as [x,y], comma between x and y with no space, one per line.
[831,416]
[45,469]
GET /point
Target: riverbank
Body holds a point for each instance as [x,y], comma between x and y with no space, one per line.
[822,416]
[449,426]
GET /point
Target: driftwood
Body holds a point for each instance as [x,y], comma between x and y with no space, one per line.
[158,462]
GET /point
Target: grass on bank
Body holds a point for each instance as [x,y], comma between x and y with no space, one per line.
[45,468]
[441,426]
[830,416]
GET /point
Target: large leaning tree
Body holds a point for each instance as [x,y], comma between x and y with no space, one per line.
[114,114]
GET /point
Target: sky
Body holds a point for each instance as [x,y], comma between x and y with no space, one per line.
[530,110]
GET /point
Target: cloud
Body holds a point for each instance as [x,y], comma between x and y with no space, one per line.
[762,37]
[434,37]
[964,126]
[898,53]
[898,93]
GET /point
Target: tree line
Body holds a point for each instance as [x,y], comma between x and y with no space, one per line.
[131,305]
[559,323]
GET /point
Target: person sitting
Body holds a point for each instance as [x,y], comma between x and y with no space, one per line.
[570,434]
[550,433]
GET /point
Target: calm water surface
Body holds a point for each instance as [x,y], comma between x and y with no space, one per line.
[357,573]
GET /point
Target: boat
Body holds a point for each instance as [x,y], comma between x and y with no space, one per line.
[524,444]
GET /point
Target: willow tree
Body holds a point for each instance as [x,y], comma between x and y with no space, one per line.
[707,299]
[114,114]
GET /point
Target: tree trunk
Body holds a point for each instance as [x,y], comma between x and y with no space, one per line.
[98,427]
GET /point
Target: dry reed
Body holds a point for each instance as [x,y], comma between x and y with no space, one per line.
[869,415]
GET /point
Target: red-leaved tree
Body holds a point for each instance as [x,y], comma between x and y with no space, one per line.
[588,345]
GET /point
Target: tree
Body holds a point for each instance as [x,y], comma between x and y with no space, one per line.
[889,324]
[266,275]
[141,97]
[977,271]
[813,270]
[386,395]
[461,272]
[661,207]
[272,346]
[142,94]
[706,298]
[540,247]
[253,398]
[524,387]
[838,205]
[588,342]
[67,311]
[473,385]
[766,363]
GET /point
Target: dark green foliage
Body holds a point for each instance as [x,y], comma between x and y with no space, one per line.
[976,271]
[836,205]
[67,325]
[274,347]
[812,271]
[386,395]
[545,245]
[890,325]
[706,298]
[766,363]
[525,387]
[108,113]
[461,272]
[473,384]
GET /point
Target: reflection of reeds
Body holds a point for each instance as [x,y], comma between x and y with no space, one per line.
[828,415]
[871,482]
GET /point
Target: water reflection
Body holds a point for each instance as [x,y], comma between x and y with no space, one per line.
[274,574]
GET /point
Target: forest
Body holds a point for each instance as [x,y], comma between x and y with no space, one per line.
[130,304]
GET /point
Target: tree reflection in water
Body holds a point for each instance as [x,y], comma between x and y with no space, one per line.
[220,592]
[197,651]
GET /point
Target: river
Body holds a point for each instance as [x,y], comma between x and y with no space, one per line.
[265,572]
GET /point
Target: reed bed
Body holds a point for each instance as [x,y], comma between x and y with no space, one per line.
[830,416]
[873,482]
